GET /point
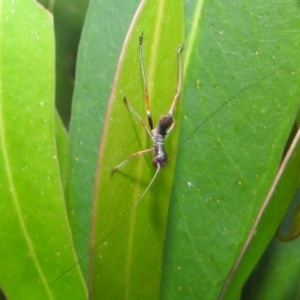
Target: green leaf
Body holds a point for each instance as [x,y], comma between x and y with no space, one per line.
[34,230]
[62,144]
[225,169]
[123,236]
[98,56]
[68,22]
[276,273]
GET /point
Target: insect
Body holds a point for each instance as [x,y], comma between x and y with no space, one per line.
[157,134]
[165,124]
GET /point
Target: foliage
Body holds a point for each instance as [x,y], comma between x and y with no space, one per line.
[238,105]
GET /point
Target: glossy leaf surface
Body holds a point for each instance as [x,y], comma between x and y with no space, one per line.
[34,233]
[123,236]
[225,169]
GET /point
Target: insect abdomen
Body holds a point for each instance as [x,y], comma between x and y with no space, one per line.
[164,123]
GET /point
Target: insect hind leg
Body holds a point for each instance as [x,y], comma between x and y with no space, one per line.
[149,116]
[179,80]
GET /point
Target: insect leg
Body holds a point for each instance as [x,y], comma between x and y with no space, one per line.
[171,127]
[179,82]
[150,121]
[116,168]
[137,116]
